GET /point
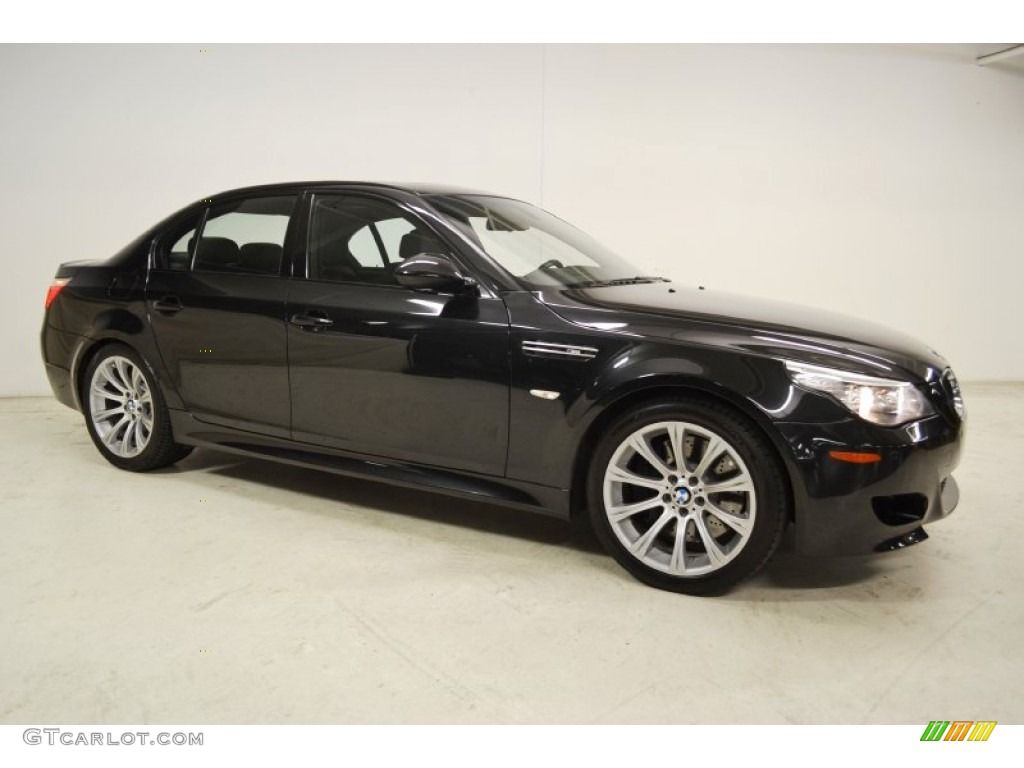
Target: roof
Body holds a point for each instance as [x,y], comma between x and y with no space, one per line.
[423,188]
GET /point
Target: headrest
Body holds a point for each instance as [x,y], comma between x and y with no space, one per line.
[216,252]
[260,257]
[417,242]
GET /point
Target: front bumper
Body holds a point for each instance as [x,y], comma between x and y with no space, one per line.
[848,509]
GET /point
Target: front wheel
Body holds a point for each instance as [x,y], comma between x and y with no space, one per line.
[125,412]
[687,496]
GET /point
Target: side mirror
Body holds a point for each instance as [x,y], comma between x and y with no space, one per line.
[433,272]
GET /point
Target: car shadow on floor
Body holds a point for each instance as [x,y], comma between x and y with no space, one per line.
[787,572]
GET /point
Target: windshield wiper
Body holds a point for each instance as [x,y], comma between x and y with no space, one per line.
[619,281]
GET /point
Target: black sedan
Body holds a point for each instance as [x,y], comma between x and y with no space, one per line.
[476,345]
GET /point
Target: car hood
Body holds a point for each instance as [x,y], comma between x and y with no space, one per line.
[774,328]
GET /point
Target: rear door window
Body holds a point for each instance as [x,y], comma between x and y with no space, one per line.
[244,236]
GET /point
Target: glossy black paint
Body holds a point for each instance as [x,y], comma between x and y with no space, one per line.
[432,389]
[399,373]
[433,273]
[224,346]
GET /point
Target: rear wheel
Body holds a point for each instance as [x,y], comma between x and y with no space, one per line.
[125,412]
[687,496]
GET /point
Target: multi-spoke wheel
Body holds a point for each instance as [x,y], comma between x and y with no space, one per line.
[125,413]
[121,406]
[687,496]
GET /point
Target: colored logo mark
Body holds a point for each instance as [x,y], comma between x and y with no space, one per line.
[958,730]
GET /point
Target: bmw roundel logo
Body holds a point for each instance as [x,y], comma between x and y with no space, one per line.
[682,495]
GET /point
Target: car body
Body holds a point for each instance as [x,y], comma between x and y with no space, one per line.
[407,333]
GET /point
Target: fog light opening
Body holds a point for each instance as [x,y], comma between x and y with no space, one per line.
[901,509]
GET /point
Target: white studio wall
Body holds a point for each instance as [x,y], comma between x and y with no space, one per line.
[884,182]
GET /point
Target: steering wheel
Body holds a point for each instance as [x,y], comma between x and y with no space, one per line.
[552,264]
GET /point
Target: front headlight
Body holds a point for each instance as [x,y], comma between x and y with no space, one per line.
[883,401]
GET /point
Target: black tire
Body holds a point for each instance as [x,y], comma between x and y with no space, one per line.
[758,467]
[160,450]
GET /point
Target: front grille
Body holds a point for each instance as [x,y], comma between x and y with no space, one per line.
[951,390]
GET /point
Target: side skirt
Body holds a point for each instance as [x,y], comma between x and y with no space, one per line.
[531,497]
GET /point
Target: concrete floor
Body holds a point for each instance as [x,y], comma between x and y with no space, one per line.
[227,591]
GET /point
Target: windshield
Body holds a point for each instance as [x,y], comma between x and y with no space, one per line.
[539,249]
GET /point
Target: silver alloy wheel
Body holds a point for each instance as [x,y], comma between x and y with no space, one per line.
[121,407]
[680,498]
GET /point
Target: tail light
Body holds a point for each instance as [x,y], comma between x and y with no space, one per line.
[55,288]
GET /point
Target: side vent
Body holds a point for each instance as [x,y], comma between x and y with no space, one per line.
[558,351]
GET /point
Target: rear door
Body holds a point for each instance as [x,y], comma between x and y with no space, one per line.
[216,302]
[384,370]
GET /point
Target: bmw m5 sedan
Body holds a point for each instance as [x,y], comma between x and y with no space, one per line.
[473,344]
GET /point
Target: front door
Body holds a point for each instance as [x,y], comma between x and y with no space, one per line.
[382,370]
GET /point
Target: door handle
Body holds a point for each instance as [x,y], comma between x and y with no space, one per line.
[168,305]
[311,320]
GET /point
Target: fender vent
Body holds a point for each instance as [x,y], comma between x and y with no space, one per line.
[560,351]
